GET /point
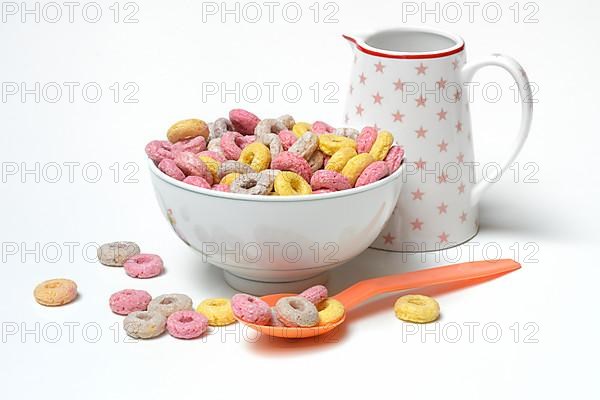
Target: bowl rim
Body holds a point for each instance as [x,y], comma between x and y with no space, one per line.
[263,198]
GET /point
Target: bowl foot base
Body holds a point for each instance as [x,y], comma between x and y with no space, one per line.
[261,288]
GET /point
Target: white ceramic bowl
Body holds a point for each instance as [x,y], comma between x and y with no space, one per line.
[274,243]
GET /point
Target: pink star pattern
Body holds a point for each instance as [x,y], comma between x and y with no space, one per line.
[420,164]
[362,79]
[443,237]
[377,98]
[460,158]
[461,188]
[421,69]
[443,178]
[455,64]
[389,239]
[418,195]
[359,109]
[441,84]
[442,208]
[458,126]
[417,224]
[442,114]
[443,146]
[462,217]
[398,85]
[379,67]
[398,116]
[457,96]
[421,132]
[421,101]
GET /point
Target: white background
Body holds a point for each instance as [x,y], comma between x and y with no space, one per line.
[550,225]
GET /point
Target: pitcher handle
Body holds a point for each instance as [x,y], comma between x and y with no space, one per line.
[520,77]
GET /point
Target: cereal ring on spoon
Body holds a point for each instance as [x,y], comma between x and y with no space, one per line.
[251,309]
[315,294]
[297,311]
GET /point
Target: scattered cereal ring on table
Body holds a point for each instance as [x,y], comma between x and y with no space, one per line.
[196,181]
[297,311]
[144,324]
[218,311]
[320,127]
[187,129]
[287,139]
[55,292]
[332,180]
[382,145]
[212,165]
[417,308]
[257,156]
[355,166]
[144,266]
[329,143]
[230,148]
[167,304]
[193,145]
[305,146]
[315,294]
[114,254]
[126,301]
[340,158]
[189,164]
[365,140]
[251,309]
[243,121]
[170,168]
[287,161]
[394,158]
[330,311]
[374,172]
[254,183]
[158,150]
[186,324]
[289,183]
[231,166]
[300,128]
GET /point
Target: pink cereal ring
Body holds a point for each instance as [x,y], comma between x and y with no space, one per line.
[326,179]
[158,150]
[320,127]
[220,188]
[230,148]
[143,265]
[287,161]
[170,168]
[196,181]
[315,294]
[394,158]
[126,301]
[243,121]
[287,138]
[190,164]
[373,173]
[187,324]
[365,140]
[194,145]
[251,309]
[212,154]
[244,141]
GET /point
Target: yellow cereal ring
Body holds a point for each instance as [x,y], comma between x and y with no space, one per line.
[340,158]
[355,166]
[417,308]
[218,311]
[257,156]
[212,165]
[230,177]
[330,143]
[300,128]
[382,145]
[288,183]
[187,129]
[330,311]
[55,292]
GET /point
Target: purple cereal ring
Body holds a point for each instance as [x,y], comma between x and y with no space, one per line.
[365,140]
[297,311]
[243,141]
[275,319]
[126,301]
[186,324]
[220,188]
[287,161]
[394,158]
[196,181]
[320,127]
[143,266]
[251,309]
[230,148]
[194,145]
[170,168]
[213,154]
[243,121]
[373,173]
[158,150]
[190,164]
[315,294]
[326,179]
[287,138]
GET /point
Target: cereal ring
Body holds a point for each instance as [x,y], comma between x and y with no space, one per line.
[55,292]
[306,145]
[243,121]
[158,150]
[296,311]
[265,126]
[326,179]
[167,304]
[320,127]
[114,254]
[382,145]
[275,319]
[286,121]
[254,183]
[219,127]
[315,162]
[373,173]
[187,129]
[340,158]
[144,324]
[287,161]
[272,141]
[144,266]
[356,166]
[417,308]
[394,158]
[215,145]
[348,132]
[257,156]
[329,143]
[229,178]
[126,301]
[287,139]
[220,188]
[218,311]
[190,164]
[213,154]
[330,311]
[231,166]
[244,141]
[230,148]
[170,168]
[291,184]
[186,324]
[212,165]
[300,128]
[315,294]
[365,139]
[251,309]
[196,181]
[194,145]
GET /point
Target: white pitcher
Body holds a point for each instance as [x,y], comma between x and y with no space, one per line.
[411,82]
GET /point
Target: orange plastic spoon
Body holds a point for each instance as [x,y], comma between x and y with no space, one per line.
[366,289]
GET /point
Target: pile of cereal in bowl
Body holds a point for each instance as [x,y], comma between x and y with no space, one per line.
[247,155]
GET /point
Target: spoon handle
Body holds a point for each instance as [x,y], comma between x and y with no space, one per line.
[462,272]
